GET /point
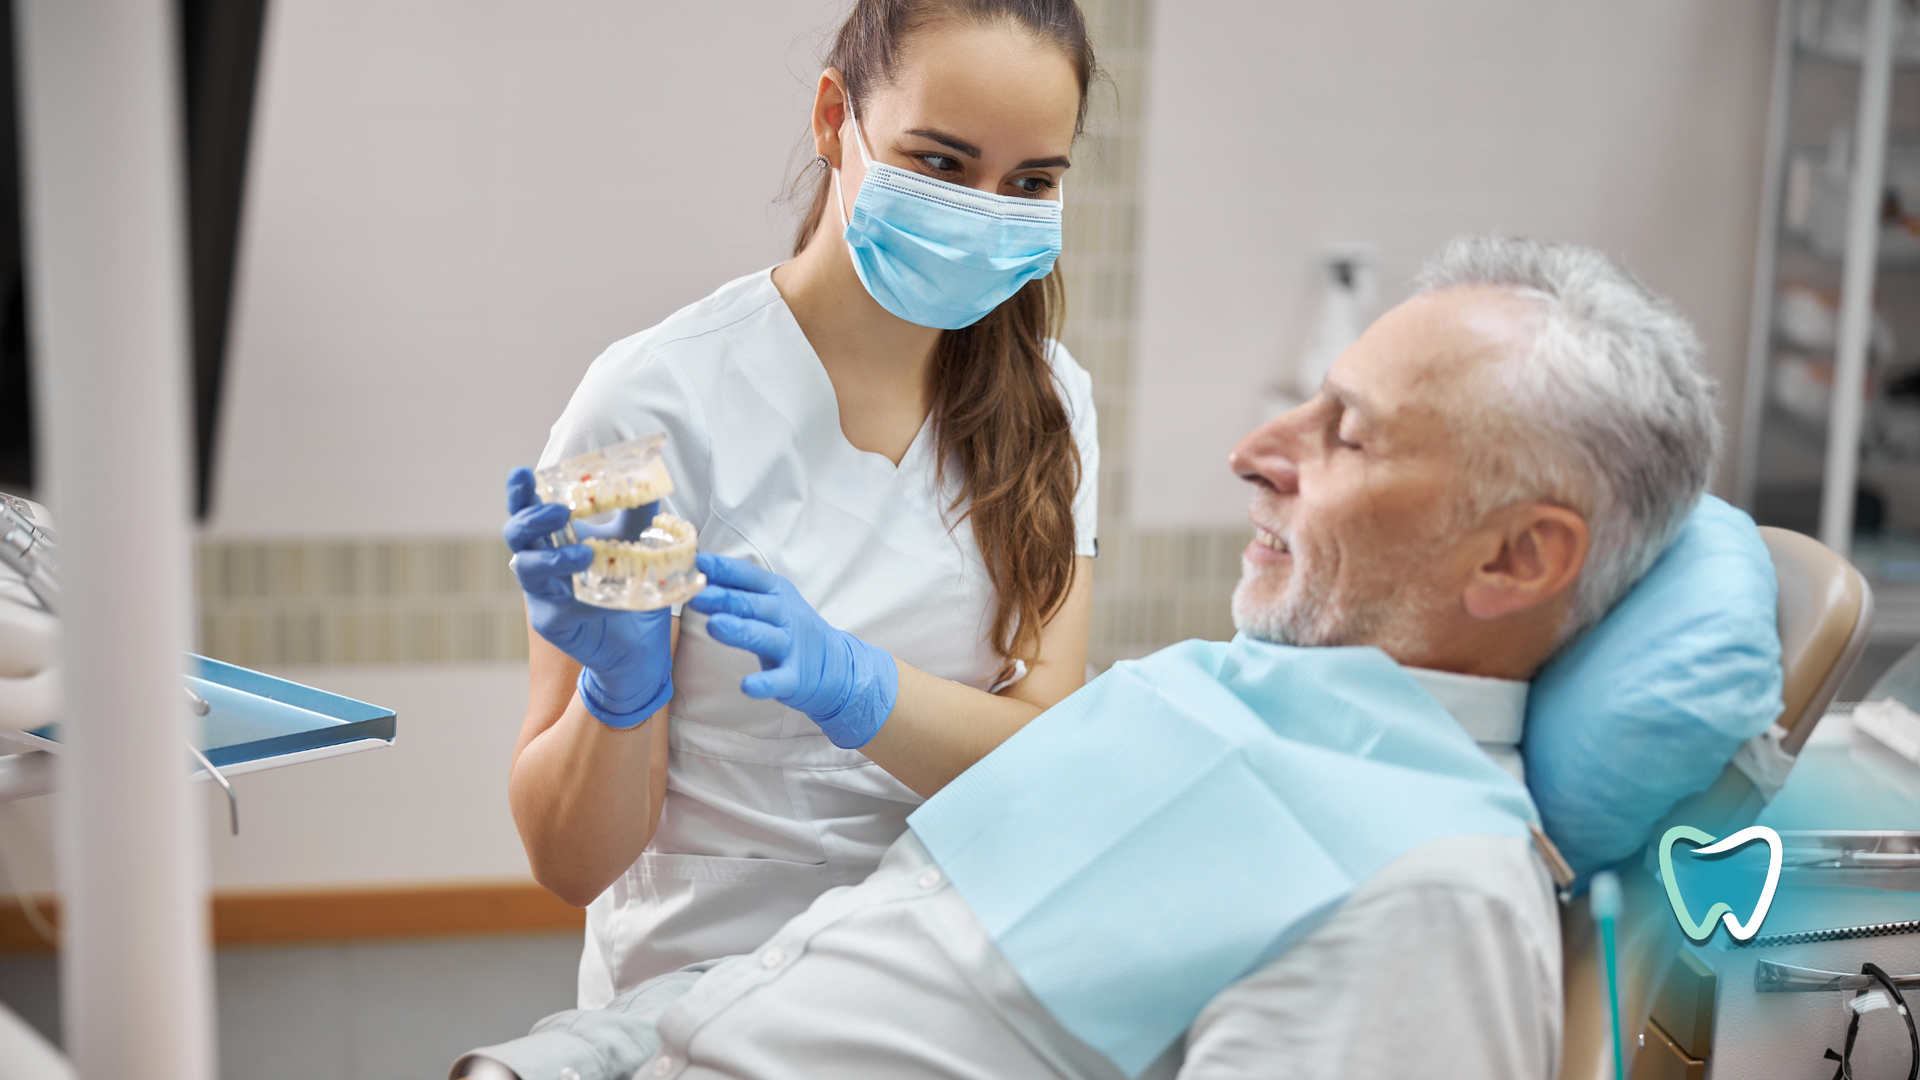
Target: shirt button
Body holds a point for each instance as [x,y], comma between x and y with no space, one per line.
[569,1073]
[662,1065]
[930,879]
[769,959]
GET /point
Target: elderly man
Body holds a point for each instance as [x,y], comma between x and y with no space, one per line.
[1283,855]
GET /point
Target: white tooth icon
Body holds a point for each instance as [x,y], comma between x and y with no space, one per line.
[1703,929]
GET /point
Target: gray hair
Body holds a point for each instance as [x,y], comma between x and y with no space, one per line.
[1606,410]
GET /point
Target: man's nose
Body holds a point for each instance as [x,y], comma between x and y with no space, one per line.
[1268,456]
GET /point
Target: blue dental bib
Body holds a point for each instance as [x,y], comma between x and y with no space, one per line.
[1156,836]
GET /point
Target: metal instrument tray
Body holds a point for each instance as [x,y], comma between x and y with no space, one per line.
[258,721]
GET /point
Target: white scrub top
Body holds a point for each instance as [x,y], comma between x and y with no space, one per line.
[763,813]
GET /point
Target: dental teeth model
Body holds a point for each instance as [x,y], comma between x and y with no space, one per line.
[648,572]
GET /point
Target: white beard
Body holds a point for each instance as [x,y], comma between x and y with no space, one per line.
[1389,608]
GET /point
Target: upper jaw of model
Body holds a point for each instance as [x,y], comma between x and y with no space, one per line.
[650,571]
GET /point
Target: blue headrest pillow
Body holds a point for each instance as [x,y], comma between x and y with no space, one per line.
[1650,705]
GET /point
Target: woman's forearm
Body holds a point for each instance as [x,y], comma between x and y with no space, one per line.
[939,728]
[583,799]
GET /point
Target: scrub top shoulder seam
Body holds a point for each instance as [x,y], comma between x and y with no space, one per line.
[758,278]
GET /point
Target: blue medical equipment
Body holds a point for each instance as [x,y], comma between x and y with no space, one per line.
[1249,787]
[1649,706]
[842,683]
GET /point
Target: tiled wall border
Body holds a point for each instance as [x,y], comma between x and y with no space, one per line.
[1151,587]
[359,601]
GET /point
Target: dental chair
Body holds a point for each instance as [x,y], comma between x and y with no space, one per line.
[1825,612]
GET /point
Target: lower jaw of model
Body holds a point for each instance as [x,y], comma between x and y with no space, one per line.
[650,572]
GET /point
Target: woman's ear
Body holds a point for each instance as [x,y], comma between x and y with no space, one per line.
[829,114]
[1542,549]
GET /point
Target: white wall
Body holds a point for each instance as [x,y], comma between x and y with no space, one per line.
[430,808]
[454,206]
[1276,127]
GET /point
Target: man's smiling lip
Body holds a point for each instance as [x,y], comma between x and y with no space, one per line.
[1268,546]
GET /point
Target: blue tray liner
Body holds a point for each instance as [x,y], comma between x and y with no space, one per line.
[292,693]
[252,716]
[235,716]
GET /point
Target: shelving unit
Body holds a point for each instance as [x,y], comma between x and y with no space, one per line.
[1836,300]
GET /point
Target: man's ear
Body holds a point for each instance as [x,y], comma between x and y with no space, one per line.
[1542,549]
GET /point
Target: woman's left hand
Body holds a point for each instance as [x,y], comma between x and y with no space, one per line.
[843,684]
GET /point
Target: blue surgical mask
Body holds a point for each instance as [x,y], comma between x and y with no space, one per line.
[939,254]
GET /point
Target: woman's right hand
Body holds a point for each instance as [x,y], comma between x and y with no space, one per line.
[626,657]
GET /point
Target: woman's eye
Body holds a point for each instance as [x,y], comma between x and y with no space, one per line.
[940,162]
[1034,185]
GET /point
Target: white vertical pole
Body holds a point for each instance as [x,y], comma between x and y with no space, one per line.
[1765,260]
[1856,281]
[107,280]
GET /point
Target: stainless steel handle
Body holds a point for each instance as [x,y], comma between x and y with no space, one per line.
[1773,977]
[233,801]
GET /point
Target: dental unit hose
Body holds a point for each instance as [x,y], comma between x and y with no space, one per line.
[1604,903]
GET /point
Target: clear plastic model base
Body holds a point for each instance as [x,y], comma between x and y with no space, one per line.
[618,477]
[644,574]
[649,571]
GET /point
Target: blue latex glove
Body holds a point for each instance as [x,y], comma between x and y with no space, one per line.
[842,683]
[626,657]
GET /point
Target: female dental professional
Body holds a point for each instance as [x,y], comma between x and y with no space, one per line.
[891,467]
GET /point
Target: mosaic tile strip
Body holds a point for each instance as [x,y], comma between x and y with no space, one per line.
[360,601]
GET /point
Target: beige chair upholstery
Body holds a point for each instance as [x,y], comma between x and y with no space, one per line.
[1825,612]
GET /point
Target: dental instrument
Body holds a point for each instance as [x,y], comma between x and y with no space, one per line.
[28,550]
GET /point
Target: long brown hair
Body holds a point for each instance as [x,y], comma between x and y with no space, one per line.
[996,409]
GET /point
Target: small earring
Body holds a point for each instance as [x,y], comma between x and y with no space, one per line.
[821,159]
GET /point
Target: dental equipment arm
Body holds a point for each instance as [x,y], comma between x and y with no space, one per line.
[29,633]
[26,548]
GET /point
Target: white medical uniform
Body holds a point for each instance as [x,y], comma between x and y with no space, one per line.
[763,813]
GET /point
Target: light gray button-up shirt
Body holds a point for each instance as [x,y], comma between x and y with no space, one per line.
[1446,963]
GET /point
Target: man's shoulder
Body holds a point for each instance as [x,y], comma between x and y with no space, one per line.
[1459,885]
[1500,869]
[1449,886]
[1444,962]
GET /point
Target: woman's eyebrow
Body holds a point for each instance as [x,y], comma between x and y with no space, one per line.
[967,149]
[958,146]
